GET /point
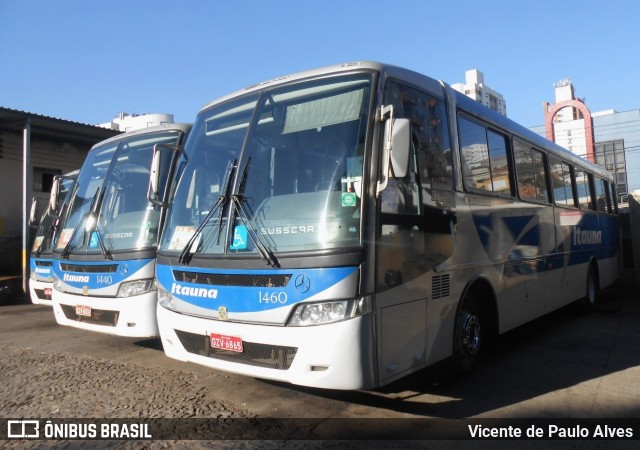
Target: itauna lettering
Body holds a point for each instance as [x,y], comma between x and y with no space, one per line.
[586,237]
[295,229]
[193,291]
[76,278]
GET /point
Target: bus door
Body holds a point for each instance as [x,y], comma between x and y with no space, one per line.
[413,234]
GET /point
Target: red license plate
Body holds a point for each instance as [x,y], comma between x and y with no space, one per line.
[82,310]
[47,293]
[231,343]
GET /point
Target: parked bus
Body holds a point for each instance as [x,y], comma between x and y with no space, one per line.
[344,227]
[104,255]
[41,258]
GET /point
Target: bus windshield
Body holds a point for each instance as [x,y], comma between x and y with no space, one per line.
[45,233]
[285,165]
[109,210]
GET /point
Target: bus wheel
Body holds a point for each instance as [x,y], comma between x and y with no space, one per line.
[468,336]
[593,287]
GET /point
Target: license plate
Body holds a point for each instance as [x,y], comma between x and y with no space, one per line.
[82,310]
[47,293]
[231,343]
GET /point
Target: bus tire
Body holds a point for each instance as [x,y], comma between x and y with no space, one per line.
[593,287]
[468,336]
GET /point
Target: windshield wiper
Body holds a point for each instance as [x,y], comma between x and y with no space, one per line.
[96,202]
[187,252]
[96,205]
[238,201]
[67,248]
[105,251]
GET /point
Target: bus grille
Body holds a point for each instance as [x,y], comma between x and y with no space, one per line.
[40,293]
[260,355]
[98,316]
[242,280]
[440,286]
[100,268]
[44,263]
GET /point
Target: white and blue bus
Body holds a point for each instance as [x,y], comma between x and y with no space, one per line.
[41,258]
[104,254]
[344,227]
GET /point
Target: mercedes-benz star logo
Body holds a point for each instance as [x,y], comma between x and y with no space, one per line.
[303,283]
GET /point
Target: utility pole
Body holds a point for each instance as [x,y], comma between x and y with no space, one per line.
[26,202]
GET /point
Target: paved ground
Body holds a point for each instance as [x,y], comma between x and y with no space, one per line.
[584,366]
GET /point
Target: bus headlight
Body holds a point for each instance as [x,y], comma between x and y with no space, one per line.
[57,284]
[166,299]
[306,314]
[131,288]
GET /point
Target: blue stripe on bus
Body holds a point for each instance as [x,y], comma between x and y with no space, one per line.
[41,272]
[98,280]
[593,235]
[303,284]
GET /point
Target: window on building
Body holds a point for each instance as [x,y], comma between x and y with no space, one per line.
[611,155]
[43,178]
[493,102]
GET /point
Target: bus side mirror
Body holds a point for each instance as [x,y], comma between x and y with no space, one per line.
[160,172]
[154,180]
[53,198]
[400,147]
[33,214]
[395,150]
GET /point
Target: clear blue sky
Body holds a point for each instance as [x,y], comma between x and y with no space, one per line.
[88,60]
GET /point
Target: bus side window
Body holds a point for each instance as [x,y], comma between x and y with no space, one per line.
[531,172]
[561,183]
[614,199]
[601,196]
[583,189]
[607,191]
[476,169]
[540,176]
[500,176]
[484,158]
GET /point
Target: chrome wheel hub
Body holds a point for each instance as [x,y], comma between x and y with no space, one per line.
[471,334]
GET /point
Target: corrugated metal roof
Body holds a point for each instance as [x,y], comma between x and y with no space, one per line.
[31,114]
[52,127]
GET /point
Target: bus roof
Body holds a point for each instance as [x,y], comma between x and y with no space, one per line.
[184,127]
[333,69]
[462,101]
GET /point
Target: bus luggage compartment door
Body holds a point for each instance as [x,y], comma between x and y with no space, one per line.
[403,338]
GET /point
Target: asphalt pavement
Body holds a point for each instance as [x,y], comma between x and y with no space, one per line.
[575,365]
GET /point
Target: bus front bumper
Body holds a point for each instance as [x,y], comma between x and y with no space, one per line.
[41,292]
[332,356]
[129,316]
